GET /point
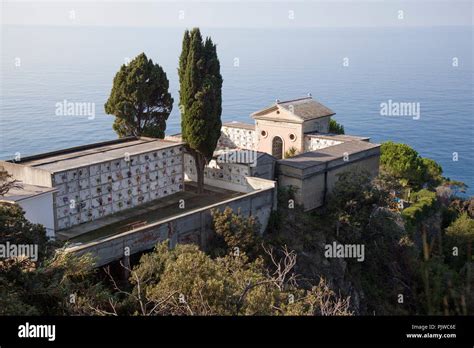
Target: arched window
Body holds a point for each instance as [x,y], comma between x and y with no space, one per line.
[277,148]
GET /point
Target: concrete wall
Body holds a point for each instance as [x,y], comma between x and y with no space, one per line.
[310,187]
[265,168]
[28,175]
[296,183]
[320,125]
[191,227]
[39,210]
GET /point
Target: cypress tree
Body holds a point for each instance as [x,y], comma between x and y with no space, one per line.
[200,98]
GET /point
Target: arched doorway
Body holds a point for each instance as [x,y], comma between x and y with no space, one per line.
[277,147]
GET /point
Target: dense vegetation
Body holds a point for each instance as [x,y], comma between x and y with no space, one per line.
[417,233]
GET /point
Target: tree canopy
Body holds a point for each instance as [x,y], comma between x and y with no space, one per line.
[55,284]
[335,127]
[405,164]
[200,98]
[139,99]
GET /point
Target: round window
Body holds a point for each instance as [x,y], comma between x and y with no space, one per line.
[292,137]
[264,133]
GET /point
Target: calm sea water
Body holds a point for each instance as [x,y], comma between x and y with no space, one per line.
[78,64]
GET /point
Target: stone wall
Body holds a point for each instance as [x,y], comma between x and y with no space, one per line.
[230,176]
[234,137]
[313,142]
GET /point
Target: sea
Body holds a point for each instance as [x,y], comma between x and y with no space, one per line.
[356,72]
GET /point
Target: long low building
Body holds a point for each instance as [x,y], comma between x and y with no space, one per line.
[96,180]
[131,193]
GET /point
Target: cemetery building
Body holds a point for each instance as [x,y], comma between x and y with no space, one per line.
[135,192]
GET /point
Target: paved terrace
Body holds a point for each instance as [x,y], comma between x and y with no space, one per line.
[145,214]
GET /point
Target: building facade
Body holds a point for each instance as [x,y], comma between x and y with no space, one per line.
[300,128]
[93,181]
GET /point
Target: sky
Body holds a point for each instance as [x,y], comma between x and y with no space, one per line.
[239,13]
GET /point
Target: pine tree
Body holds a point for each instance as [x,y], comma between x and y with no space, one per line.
[139,99]
[200,98]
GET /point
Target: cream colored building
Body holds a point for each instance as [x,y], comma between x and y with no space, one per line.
[283,125]
[302,124]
